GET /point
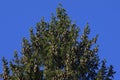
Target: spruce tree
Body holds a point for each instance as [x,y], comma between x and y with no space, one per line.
[57,51]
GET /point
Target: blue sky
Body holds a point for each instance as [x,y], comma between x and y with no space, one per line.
[16,18]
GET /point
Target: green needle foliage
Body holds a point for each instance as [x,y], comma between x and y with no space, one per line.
[57,51]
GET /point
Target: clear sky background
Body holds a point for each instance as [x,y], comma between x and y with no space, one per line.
[17,16]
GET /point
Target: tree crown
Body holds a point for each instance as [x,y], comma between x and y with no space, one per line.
[56,51]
